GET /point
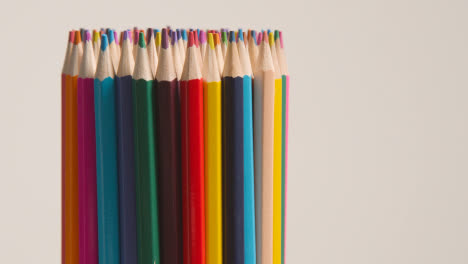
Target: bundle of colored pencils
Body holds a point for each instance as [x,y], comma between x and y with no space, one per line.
[174,147]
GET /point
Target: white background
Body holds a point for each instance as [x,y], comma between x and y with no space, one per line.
[378,168]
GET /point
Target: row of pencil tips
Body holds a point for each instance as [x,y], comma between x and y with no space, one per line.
[122,48]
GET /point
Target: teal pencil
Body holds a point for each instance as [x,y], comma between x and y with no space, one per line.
[106,159]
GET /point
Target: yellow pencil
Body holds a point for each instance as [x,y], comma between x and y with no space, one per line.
[213,160]
[277,155]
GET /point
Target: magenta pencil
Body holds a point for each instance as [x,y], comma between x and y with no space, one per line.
[87,206]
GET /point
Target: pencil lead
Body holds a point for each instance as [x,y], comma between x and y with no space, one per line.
[174,38]
[224,37]
[110,35]
[191,39]
[241,35]
[88,35]
[232,36]
[271,38]
[116,38]
[202,37]
[77,39]
[210,40]
[265,36]
[95,36]
[179,34]
[165,39]
[141,40]
[184,34]
[276,34]
[195,38]
[125,35]
[104,42]
[71,36]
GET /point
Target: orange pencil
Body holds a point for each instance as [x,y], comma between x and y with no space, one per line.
[71,154]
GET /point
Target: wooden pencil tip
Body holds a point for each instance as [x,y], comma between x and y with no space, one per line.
[77,39]
[184,34]
[241,35]
[88,35]
[195,38]
[110,35]
[224,36]
[202,37]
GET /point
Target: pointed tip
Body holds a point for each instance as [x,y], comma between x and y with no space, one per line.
[77,39]
[116,37]
[179,34]
[191,41]
[71,36]
[164,39]
[96,36]
[88,35]
[276,34]
[265,36]
[232,36]
[184,34]
[195,38]
[173,38]
[211,40]
[241,35]
[104,42]
[216,38]
[125,35]
[110,35]
[224,36]
[141,40]
[202,37]
[271,38]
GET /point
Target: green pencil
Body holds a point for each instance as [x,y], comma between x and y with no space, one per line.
[145,158]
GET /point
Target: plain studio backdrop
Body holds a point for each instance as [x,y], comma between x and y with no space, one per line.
[378,144]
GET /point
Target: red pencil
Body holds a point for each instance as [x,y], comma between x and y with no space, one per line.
[191,93]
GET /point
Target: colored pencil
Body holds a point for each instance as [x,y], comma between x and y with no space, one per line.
[184,39]
[233,155]
[170,192]
[191,93]
[152,52]
[145,158]
[136,33]
[249,189]
[126,153]
[213,155]
[65,72]
[178,63]
[71,153]
[106,158]
[284,134]
[197,48]
[219,53]
[264,103]
[88,240]
[277,178]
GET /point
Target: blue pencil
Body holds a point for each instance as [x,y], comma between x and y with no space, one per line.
[106,159]
[126,154]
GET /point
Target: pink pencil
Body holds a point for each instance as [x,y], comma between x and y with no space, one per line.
[87,205]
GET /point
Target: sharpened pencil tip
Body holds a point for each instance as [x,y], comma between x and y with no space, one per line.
[281,39]
[96,36]
[265,36]
[191,41]
[77,39]
[88,35]
[71,36]
[241,35]
[232,36]
[165,39]
[224,37]
[271,38]
[110,35]
[202,37]
[184,34]
[125,35]
[104,42]
[141,40]
[174,38]
[210,40]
